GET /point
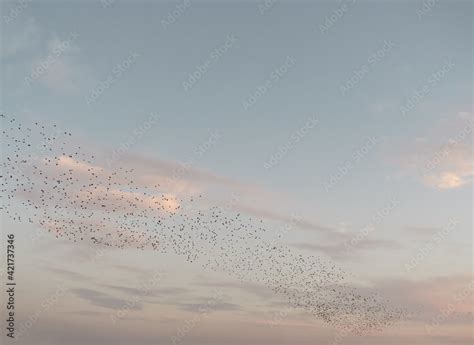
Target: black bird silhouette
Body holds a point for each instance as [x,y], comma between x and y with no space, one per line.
[49,181]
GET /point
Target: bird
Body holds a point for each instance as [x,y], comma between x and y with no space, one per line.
[50,181]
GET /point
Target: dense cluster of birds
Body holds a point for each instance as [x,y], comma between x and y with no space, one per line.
[50,181]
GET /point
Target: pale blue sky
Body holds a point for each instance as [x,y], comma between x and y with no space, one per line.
[167,54]
[324,61]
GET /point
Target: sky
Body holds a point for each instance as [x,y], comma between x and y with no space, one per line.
[346,126]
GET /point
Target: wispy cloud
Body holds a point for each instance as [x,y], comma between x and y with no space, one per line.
[262,292]
[165,291]
[422,231]
[298,222]
[47,58]
[21,38]
[443,158]
[430,295]
[196,307]
[102,299]
[343,252]
[148,172]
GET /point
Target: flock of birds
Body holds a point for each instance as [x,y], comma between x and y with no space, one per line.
[51,182]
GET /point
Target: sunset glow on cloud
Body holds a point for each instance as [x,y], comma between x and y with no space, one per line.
[238,173]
